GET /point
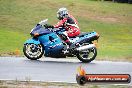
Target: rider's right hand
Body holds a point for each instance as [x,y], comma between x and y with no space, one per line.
[48,26]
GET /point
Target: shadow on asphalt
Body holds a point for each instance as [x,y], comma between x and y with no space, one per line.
[57,62]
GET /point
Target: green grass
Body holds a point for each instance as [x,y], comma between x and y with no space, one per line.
[113,21]
[11,41]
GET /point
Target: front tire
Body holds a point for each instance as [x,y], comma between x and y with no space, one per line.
[33,51]
[85,57]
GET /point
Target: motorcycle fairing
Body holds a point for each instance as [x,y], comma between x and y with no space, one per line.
[32,41]
[39,29]
[86,37]
[52,44]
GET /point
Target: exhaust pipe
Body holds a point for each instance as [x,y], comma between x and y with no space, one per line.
[82,48]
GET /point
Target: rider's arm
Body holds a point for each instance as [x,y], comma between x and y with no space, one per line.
[60,23]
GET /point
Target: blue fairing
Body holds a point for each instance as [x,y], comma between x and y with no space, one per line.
[41,30]
[86,37]
[52,44]
[32,40]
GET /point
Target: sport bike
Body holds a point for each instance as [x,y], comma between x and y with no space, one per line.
[46,41]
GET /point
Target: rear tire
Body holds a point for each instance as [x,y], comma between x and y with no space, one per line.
[82,56]
[33,54]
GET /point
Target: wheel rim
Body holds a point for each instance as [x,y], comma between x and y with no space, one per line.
[33,50]
[87,54]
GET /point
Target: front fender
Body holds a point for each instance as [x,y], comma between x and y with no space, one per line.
[33,41]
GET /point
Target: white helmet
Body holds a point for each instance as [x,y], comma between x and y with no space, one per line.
[61,13]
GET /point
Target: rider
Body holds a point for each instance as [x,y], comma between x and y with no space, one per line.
[69,23]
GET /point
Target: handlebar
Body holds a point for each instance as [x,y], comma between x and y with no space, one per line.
[58,30]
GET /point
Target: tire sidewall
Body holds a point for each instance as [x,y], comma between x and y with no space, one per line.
[32,58]
[87,60]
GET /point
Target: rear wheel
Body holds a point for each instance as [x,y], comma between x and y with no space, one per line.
[33,51]
[87,55]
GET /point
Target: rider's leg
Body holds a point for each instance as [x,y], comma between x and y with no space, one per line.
[65,37]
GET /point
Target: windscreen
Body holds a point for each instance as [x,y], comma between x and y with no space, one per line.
[40,30]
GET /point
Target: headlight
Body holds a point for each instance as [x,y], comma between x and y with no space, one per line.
[36,34]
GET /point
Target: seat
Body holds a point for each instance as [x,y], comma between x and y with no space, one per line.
[80,35]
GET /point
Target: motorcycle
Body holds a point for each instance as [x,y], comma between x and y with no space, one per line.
[46,41]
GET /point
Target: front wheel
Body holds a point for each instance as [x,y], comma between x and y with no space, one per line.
[87,55]
[33,51]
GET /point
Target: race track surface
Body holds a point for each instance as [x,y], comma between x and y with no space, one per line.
[56,70]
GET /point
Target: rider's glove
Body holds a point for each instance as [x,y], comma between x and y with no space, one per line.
[48,26]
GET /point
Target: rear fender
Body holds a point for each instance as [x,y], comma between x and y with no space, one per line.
[32,41]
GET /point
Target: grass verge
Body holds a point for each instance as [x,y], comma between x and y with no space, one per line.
[25,84]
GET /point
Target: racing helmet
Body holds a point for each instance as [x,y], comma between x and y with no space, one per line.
[62,13]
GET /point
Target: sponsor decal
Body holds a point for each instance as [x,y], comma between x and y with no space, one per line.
[82,77]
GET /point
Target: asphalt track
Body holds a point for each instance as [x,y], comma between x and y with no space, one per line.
[56,70]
